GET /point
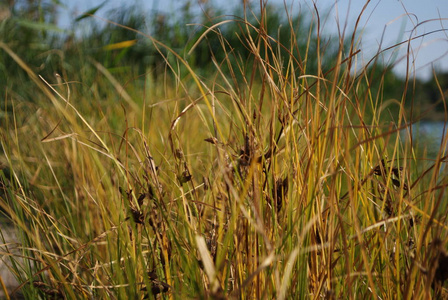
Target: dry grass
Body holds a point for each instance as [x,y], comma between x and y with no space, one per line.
[260,181]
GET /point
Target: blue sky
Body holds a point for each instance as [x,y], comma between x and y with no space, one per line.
[384,23]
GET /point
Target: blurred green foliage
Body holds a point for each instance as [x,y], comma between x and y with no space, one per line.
[31,30]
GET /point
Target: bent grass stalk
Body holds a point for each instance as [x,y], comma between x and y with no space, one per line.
[262,180]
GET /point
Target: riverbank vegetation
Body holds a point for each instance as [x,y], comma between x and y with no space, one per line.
[246,157]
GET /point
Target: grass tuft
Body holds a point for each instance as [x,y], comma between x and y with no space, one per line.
[281,174]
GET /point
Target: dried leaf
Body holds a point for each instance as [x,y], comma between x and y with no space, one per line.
[279,192]
[140,199]
[184,177]
[157,286]
[138,216]
[212,140]
[379,169]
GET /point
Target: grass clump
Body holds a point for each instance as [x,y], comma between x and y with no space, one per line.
[273,176]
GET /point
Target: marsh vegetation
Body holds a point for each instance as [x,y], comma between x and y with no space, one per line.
[246,157]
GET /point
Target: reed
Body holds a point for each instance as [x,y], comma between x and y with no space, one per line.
[272,177]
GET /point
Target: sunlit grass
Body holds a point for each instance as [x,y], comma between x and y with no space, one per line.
[271,184]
